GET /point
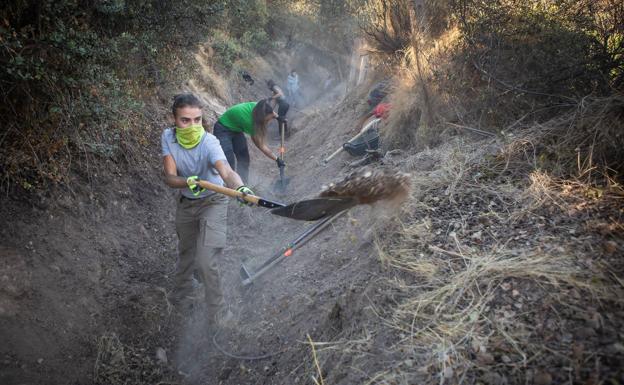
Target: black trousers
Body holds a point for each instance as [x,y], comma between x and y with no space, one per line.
[282,109]
[234,145]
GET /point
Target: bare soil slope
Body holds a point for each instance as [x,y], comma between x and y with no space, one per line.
[384,298]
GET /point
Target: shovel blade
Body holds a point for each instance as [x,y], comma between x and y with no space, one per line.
[244,273]
[316,208]
[279,186]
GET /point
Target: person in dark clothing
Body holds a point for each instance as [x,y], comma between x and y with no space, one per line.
[375,97]
[278,99]
[378,93]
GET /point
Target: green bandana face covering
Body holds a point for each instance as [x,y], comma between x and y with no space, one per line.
[190,136]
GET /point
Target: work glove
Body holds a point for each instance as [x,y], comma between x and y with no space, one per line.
[246,191]
[192,183]
[280,162]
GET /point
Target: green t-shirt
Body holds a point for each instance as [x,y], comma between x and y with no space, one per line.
[239,118]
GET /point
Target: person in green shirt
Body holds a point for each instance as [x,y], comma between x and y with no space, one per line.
[249,118]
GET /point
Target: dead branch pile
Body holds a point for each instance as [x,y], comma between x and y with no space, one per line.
[587,142]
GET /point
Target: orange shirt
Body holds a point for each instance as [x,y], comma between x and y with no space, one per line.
[382,110]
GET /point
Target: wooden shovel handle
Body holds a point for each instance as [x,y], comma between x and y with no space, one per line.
[229,192]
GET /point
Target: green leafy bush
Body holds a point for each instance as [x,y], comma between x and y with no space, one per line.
[258,41]
[227,50]
[543,47]
[73,77]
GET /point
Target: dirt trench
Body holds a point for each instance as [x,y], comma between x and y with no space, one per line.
[86,269]
[310,293]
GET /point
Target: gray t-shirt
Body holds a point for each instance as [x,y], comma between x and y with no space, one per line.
[199,160]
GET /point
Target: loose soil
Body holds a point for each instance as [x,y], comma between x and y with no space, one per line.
[85,273]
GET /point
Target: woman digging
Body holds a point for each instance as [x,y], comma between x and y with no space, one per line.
[191,154]
[249,118]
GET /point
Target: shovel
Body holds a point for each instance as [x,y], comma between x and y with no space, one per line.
[305,210]
[283,181]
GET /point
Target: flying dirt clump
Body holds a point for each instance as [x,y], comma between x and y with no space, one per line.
[369,185]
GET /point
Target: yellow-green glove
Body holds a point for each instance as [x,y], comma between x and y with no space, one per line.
[246,191]
[192,183]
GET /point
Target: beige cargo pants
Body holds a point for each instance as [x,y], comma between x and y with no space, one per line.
[201,226]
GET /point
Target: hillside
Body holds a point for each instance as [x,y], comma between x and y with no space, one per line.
[503,265]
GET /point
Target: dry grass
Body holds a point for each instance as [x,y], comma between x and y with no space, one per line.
[117,363]
[586,143]
[320,380]
[499,283]
[474,310]
[419,105]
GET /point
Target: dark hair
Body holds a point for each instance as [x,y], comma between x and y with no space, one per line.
[259,113]
[270,83]
[185,100]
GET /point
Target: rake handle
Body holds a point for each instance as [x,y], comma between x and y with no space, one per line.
[371,124]
[333,155]
[307,235]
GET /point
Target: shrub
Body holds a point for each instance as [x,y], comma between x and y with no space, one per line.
[73,76]
[257,40]
[544,48]
[227,50]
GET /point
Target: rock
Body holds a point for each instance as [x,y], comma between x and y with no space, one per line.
[448,373]
[593,321]
[225,374]
[585,333]
[610,247]
[542,378]
[161,356]
[484,221]
[616,348]
[477,236]
[493,378]
[485,358]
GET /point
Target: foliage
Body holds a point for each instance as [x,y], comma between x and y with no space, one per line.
[387,25]
[247,16]
[508,64]
[258,41]
[227,50]
[76,74]
[564,48]
[332,24]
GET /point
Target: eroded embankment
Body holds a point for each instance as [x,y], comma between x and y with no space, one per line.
[86,268]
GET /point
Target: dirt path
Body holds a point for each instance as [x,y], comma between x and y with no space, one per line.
[274,315]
